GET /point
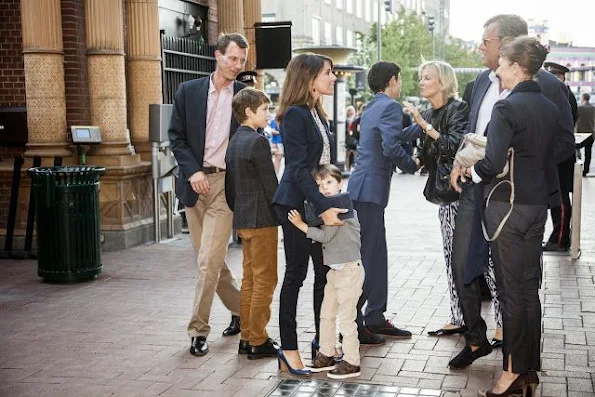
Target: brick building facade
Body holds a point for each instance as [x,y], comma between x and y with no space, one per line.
[95,62]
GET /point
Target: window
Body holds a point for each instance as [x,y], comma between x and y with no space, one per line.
[367,10]
[358,8]
[340,4]
[316,30]
[375,13]
[328,35]
[268,17]
[328,1]
[348,38]
[349,6]
[339,33]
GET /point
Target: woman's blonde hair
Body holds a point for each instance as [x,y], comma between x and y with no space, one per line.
[301,73]
[446,77]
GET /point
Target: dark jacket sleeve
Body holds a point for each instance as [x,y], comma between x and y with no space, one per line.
[230,192]
[456,125]
[502,125]
[391,132]
[261,158]
[294,128]
[565,142]
[177,135]
[573,105]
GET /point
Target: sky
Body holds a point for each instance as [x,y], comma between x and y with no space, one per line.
[572,20]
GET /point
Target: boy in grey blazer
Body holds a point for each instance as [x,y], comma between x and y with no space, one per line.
[250,184]
[341,252]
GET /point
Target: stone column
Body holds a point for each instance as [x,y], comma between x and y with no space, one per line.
[144,69]
[251,16]
[107,81]
[44,78]
[231,16]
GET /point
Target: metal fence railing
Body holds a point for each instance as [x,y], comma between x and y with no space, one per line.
[183,60]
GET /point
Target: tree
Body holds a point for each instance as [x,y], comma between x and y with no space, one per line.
[407,42]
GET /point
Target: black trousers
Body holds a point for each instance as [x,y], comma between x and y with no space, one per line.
[561,215]
[469,294]
[298,250]
[375,260]
[588,145]
[517,256]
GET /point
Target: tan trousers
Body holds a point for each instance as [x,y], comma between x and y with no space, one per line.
[258,284]
[341,293]
[210,222]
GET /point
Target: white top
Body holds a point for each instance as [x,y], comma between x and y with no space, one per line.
[485,111]
[325,158]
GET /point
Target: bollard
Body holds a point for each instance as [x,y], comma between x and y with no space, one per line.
[577,196]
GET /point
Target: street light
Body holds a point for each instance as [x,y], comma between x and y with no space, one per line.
[388,5]
[431,29]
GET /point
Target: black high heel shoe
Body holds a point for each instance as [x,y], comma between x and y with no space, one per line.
[525,382]
[285,367]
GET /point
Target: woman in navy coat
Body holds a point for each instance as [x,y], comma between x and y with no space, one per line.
[308,142]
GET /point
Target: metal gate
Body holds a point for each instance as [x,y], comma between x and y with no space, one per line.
[183,60]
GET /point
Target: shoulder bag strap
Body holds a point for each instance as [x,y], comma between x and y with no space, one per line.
[511,182]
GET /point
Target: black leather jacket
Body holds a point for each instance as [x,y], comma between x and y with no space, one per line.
[451,122]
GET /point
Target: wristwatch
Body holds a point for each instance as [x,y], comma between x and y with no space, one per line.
[428,127]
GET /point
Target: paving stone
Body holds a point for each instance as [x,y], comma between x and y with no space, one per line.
[107,340]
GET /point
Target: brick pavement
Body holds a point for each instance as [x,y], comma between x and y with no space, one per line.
[124,333]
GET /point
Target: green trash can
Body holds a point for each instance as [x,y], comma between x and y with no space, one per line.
[68,225]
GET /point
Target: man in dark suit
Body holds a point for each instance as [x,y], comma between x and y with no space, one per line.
[560,238]
[379,152]
[470,249]
[200,127]
[586,124]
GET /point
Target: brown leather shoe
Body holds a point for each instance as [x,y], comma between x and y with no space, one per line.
[344,370]
[322,363]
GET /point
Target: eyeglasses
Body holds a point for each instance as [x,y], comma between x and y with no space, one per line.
[486,41]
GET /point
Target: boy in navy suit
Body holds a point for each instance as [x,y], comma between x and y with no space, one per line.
[250,183]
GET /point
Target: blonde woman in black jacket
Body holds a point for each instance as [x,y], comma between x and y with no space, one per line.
[444,124]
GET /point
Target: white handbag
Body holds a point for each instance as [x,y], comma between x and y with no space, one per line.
[473,149]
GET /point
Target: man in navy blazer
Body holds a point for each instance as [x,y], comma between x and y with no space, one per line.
[379,152]
[470,249]
[200,128]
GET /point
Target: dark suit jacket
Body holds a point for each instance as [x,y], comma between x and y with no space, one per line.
[250,180]
[379,151]
[555,91]
[187,131]
[526,121]
[303,148]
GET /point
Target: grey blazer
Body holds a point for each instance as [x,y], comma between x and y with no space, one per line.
[340,244]
[250,180]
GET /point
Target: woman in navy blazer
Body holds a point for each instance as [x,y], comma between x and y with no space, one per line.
[308,142]
[526,121]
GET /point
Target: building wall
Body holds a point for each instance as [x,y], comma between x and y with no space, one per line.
[75,63]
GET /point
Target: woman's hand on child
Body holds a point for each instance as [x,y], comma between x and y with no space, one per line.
[295,217]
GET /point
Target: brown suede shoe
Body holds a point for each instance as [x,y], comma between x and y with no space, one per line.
[322,363]
[344,370]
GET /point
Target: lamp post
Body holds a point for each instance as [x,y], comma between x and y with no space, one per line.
[431,29]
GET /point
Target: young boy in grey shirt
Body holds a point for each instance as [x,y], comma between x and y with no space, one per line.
[341,252]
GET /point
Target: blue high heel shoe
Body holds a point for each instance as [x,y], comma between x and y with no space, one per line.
[315,346]
[285,367]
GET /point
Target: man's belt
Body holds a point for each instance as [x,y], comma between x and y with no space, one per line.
[212,170]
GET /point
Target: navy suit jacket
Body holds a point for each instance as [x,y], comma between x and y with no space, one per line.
[302,142]
[187,132]
[379,151]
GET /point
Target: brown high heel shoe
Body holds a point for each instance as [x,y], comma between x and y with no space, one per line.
[525,382]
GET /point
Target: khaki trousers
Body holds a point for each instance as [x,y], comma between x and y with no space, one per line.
[342,291]
[258,284]
[210,222]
